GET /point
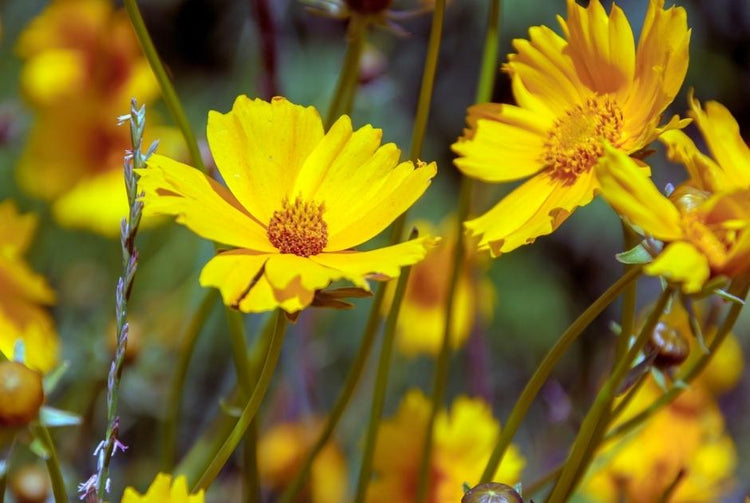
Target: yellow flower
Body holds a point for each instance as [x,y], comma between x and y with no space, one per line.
[24,294]
[687,435]
[298,200]
[462,443]
[162,490]
[281,450]
[421,321]
[705,235]
[574,94]
[82,65]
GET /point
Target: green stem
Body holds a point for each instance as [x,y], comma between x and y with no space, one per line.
[428,80]
[350,384]
[627,323]
[488,71]
[591,431]
[545,368]
[165,84]
[251,477]
[346,87]
[53,464]
[238,342]
[249,411]
[189,338]
[381,386]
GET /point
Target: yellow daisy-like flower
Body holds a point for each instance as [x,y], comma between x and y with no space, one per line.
[162,490]
[24,294]
[462,443]
[706,235]
[421,322]
[298,200]
[687,436]
[283,447]
[574,94]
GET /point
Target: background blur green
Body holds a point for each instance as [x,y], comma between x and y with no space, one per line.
[212,50]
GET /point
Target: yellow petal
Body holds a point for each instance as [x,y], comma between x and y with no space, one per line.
[534,209]
[32,324]
[201,204]
[381,263]
[53,76]
[378,201]
[18,280]
[283,269]
[704,173]
[682,263]
[722,134]
[504,144]
[260,147]
[602,48]
[633,195]
[16,230]
[234,273]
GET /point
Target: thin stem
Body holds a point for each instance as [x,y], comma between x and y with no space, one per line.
[545,368]
[488,71]
[346,87]
[53,464]
[251,478]
[189,338]
[350,384]
[381,386]
[627,323]
[587,439]
[249,411]
[165,84]
[238,342]
[428,80]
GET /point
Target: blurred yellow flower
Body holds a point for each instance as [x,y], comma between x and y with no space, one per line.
[162,490]
[421,321]
[687,436]
[282,448]
[705,235]
[298,200]
[24,294]
[82,65]
[574,94]
[463,441]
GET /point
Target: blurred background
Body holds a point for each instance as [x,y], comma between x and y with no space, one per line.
[213,51]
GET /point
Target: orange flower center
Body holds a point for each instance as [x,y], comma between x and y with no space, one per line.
[298,228]
[574,143]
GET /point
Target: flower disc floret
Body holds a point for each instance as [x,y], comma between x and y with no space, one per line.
[298,228]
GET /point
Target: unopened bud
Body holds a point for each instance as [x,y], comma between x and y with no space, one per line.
[30,484]
[21,394]
[492,492]
[670,346]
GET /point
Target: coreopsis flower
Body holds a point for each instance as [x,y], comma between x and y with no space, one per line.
[297,201]
[462,443]
[282,448]
[164,490]
[421,321]
[573,94]
[82,65]
[705,235]
[24,295]
[685,439]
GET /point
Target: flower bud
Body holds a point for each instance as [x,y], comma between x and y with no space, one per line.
[368,6]
[21,394]
[30,484]
[670,346]
[492,492]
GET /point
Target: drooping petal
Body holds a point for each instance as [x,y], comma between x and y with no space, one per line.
[201,204]
[234,273]
[722,134]
[602,47]
[504,143]
[534,209]
[704,173]
[383,263]
[633,195]
[260,147]
[384,193]
[682,263]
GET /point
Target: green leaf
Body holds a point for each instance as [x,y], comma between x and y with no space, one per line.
[51,417]
[636,255]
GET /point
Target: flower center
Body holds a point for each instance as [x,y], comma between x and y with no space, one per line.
[575,144]
[298,228]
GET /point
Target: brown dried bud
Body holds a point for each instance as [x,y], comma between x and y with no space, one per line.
[368,6]
[21,394]
[492,492]
[30,484]
[688,198]
[670,346]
